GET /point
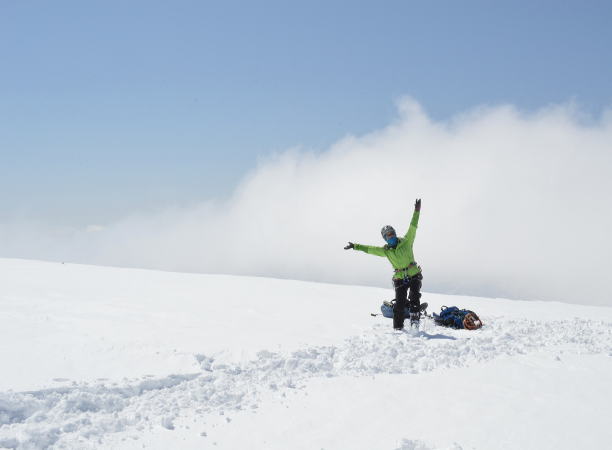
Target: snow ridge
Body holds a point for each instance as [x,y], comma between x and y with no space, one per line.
[81,415]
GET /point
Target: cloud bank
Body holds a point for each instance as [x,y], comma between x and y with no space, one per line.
[514,205]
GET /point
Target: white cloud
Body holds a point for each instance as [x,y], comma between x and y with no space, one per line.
[94,228]
[514,205]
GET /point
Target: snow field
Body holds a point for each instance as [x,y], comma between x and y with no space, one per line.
[244,377]
[68,415]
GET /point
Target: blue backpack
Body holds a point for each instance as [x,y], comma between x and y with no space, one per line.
[454,317]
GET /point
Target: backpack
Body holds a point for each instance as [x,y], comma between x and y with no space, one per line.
[454,317]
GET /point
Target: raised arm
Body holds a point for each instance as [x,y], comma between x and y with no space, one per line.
[414,223]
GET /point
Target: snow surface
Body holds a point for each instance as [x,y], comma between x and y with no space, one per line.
[98,357]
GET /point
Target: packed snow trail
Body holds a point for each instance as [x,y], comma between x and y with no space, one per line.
[81,415]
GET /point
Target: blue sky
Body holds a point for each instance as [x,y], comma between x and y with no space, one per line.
[114,106]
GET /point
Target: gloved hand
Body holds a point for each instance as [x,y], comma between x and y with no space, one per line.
[417,204]
[349,246]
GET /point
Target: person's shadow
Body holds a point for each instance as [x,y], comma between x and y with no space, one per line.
[436,336]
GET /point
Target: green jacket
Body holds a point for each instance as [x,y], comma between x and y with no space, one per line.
[401,257]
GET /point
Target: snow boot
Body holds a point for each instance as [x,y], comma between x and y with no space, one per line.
[398,321]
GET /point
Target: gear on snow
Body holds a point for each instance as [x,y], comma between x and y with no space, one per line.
[387,309]
[451,316]
[457,318]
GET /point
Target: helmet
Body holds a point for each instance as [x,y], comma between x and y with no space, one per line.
[471,321]
[387,231]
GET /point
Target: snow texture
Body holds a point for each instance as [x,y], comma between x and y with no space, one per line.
[222,389]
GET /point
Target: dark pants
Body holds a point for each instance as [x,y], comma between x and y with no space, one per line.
[402,296]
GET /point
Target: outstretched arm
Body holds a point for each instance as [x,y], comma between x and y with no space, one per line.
[372,250]
[414,223]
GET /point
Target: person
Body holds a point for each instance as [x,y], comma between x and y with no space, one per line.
[408,276]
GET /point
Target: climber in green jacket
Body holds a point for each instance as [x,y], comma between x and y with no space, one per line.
[407,275]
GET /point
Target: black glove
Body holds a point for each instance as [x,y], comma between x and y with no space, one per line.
[417,204]
[349,246]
